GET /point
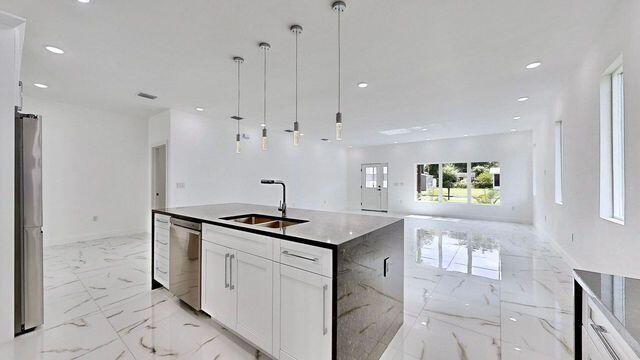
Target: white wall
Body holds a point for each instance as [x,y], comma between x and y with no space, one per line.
[202,156]
[11,35]
[512,150]
[94,164]
[598,244]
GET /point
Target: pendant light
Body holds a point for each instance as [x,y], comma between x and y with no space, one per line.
[237,117]
[339,7]
[265,142]
[297,30]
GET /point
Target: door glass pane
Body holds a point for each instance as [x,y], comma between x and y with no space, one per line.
[485,183]
[370,177]
[384,177]
[454,182]
[428,182]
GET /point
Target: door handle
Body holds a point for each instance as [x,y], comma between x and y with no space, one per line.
[226,261]
[231,287]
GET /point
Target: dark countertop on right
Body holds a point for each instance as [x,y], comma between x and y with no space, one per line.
[619,299]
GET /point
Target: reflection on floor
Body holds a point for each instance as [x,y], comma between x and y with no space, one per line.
[473,290]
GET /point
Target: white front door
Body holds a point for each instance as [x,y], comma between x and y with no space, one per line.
[374,185]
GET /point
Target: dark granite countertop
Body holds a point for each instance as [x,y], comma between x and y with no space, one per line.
[323,228]
[618,297]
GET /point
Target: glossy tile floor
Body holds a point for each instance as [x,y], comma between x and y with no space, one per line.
[473,290]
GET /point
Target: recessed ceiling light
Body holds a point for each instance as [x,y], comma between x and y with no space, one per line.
[465,135]
[517,118]
[350,147]
[513,319]
[54,49]
[512,130]
[424,129]
[200,109]
[534,65]
[301,134]
[517,349]
[84,1]
[41,86]
[524,98]
[363,85]
[429,139]
[395,142]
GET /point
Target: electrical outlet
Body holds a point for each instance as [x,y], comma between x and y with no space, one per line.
[180,185]
[573,238]
[95,218]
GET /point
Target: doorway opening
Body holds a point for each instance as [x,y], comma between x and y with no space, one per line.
[159,176]
[373,186]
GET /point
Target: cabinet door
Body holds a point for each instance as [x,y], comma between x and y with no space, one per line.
[305,315]
[254,286]
[218,292]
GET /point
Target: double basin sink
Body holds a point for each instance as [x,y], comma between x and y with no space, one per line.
[266,221]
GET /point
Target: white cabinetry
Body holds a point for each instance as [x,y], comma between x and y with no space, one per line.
[219,298]
[276,294]
[255,299]
[161,249]
[305,315]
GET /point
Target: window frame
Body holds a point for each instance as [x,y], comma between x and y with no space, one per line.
[612,144]
[468,177]
[558,134]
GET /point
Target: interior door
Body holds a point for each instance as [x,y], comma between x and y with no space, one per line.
[218,290]
[255,299]
[305,315]
[374,187]
[159,162]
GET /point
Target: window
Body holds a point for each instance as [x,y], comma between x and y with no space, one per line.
[465,182]
[454,182]
[559,159]
[371,177]
[612,192]
[385,181]
[428,182]
[485,183]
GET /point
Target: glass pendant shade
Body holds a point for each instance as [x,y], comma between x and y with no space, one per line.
[265,140]
[296,134]
[339,126]
[238,147]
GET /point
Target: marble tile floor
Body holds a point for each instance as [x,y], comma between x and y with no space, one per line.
[473,290]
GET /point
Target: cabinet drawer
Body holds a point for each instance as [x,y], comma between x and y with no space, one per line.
[162,221]
[605,338]
[161,270]
[306,257]
[249,243]
[161,243]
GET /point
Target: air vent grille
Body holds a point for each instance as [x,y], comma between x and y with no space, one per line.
[147,96]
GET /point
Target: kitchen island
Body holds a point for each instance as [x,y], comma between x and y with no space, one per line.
[313,285]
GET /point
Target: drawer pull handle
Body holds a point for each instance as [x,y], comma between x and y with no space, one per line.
[164,272]
[600,331]
[163,243]
[162,221]
[285,252]
[324,310]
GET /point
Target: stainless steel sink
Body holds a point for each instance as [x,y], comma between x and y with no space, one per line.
[268,221]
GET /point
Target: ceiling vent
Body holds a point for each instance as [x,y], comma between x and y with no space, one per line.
[147,96]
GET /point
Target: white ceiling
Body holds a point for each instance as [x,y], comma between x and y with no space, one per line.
[452,67]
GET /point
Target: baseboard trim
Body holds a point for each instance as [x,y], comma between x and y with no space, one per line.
[91,236]
[568,258]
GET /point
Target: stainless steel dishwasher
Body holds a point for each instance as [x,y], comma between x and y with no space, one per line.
[184,261]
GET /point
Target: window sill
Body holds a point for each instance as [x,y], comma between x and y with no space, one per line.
[613,220]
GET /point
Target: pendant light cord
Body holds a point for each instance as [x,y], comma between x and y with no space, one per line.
[264,121]
[238,93]
[339,65]
[297,33]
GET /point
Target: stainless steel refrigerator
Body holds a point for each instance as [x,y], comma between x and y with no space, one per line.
[29,299]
